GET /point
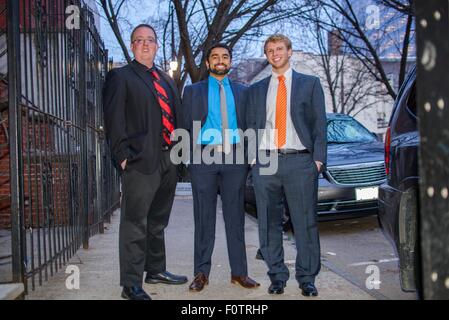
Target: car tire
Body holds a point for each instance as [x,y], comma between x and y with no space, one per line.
[409,250]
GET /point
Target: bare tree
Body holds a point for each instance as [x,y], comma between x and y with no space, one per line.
[192,26]
[404,6]
[365,43]
[203,23]
[112,10]
[348,82]
[120,15]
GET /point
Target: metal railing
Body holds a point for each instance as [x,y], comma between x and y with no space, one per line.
[63,186]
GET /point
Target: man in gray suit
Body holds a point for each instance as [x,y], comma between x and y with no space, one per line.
[289,108]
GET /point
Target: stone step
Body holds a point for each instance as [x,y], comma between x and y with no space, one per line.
[11,291]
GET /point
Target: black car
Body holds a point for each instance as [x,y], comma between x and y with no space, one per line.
[349,185]
[399,195]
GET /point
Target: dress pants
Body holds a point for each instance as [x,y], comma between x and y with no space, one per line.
[145,210]
[230,180]
[297,178]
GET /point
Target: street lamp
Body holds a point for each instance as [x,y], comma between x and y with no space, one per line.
[173,67]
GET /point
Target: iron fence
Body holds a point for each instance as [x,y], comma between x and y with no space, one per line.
[61,181]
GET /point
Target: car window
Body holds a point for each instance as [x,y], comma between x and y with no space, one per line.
[411,78]
[347,131]
[404,119]
[411,101]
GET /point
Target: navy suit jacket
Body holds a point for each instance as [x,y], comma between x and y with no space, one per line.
[308,113]
[195,105]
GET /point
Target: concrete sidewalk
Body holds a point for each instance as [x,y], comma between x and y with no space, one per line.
[99,268]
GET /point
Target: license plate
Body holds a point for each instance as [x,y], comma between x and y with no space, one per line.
[366,193]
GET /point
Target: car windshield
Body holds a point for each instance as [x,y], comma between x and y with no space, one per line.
[347,131]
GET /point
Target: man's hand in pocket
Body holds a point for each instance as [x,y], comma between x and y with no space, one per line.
[123,164]
[319,164]
[252,163]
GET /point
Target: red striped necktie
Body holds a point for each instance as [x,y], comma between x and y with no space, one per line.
[167,113]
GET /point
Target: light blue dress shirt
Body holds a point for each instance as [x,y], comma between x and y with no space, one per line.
[211,132]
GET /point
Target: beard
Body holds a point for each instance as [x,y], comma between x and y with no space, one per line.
[221,72]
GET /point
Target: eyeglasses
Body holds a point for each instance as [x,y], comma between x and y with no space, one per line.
[141,41]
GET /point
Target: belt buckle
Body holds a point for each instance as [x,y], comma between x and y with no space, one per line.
[282,151]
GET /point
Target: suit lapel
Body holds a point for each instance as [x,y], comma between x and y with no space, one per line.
[204,94]
[295,95]
[237,103]
[145,78]
[262,102]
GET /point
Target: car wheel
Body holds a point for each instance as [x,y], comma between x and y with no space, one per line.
[409,251]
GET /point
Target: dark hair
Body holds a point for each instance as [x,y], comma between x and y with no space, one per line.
[143,25]
[218,45]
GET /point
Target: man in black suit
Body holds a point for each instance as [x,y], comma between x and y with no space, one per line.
[289,108]
[141,104]
[217,106]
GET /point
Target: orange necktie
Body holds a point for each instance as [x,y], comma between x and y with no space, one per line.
[281,114]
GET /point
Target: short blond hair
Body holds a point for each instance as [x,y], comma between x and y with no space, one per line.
[276,38]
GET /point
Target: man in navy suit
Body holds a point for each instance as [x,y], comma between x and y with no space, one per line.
[289,109]
[217,106]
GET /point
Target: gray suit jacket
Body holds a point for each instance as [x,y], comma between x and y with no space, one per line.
[308,113]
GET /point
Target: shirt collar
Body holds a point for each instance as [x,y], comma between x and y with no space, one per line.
[214,80]
[144,67]
[287,74]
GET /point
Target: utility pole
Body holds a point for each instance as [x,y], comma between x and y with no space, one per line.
[432,24]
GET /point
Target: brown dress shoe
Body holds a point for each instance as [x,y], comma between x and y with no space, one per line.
[199,282]
[245,282]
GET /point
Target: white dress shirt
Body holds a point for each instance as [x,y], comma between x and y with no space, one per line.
[293,141]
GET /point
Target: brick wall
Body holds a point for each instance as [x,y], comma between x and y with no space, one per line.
[46,183]
[5,208]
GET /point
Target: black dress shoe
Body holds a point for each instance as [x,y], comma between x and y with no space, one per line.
[165,277]
[277,287]
[134,293]
[308,289]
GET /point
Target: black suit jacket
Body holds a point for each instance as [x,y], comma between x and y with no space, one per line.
[308,112]
[133,117]
[195,104]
